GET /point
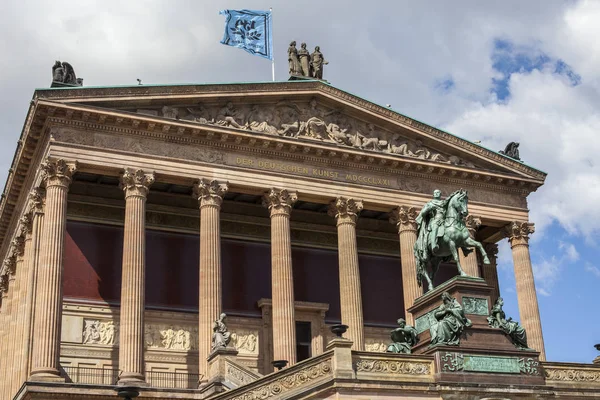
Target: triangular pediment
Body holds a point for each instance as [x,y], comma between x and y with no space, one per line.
[288,111]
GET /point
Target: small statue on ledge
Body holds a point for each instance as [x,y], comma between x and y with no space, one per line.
[63,74]
[404,337]
[451,322]
[221,336]
[512,328]
[511,150]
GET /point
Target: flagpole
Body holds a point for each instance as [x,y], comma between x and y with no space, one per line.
[273,59]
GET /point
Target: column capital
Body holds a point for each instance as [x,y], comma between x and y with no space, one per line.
[491,249]
[136,182]
[4,285]
[345,210]
[10,263]
[518,232]
[472,223]
[210,193]
[25,223]
[18,246]
[279,201]
[404,218]
[37,200]
[58,172]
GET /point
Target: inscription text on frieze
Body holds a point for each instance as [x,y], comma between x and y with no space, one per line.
[312,171]
[509,365]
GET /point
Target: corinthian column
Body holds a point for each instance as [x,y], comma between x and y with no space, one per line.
[135,184]
[469,263]
[490,271]
[9,310]
[404,219]
[346,213]
[210,196]
[20,243]
[518,237]
[48,306]
[279,202]
[37,199]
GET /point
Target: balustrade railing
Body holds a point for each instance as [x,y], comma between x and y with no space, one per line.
[107,376]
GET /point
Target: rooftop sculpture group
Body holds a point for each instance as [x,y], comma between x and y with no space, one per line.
[303,63]
[511,150]
[63,74]
[441,232]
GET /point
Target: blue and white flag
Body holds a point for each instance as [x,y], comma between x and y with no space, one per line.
[249,30]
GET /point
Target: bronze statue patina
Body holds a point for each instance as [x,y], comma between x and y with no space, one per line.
[317,61]
[442,232]
[511,150]
[221,335]
[516,332]
[451,322]
[404,337]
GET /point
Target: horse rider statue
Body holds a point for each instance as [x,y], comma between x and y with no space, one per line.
[441,231]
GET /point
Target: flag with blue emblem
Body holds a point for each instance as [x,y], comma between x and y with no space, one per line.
[249,30]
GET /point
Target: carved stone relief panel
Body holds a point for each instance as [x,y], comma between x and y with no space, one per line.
[310,121]
[245,341]
[170,337]
[102,332]
[377,339]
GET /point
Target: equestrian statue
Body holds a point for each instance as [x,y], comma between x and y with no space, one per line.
[441,232]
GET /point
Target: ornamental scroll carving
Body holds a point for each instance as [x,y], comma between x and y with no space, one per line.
[572,375]
[288,382]
[393,367]
[310,121]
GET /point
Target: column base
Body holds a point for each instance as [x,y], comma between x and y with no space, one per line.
[46,375]
[131,379]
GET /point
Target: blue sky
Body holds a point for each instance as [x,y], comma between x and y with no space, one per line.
[490,71]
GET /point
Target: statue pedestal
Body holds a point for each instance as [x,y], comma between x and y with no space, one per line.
[484,354]
[217,363]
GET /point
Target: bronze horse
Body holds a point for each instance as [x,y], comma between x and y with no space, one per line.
[456,235]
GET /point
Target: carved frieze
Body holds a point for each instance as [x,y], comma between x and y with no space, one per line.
[393,367]
[574,374]
[375,346]
[475,305]
[171,337]
[310,121]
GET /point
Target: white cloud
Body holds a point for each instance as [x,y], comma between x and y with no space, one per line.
[592,269]
[548,270]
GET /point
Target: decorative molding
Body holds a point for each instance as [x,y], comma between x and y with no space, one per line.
[393,367]
[572,374]
[529,366]
[452,362]
[286,382]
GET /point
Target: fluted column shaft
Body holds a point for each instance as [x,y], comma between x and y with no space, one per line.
[4,319]
[135,184]
[48,307]
[469,263]
[37,197]
[280,204]
[346,213]
[18,309]
[490,271]
[518,236]
[404,218]
[8,339]
[210,304]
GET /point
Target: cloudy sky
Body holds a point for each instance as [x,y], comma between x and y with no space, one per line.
[497,72]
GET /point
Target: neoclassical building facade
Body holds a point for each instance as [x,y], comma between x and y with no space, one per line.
[133,217]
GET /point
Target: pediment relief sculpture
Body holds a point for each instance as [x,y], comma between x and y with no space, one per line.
[308,121]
